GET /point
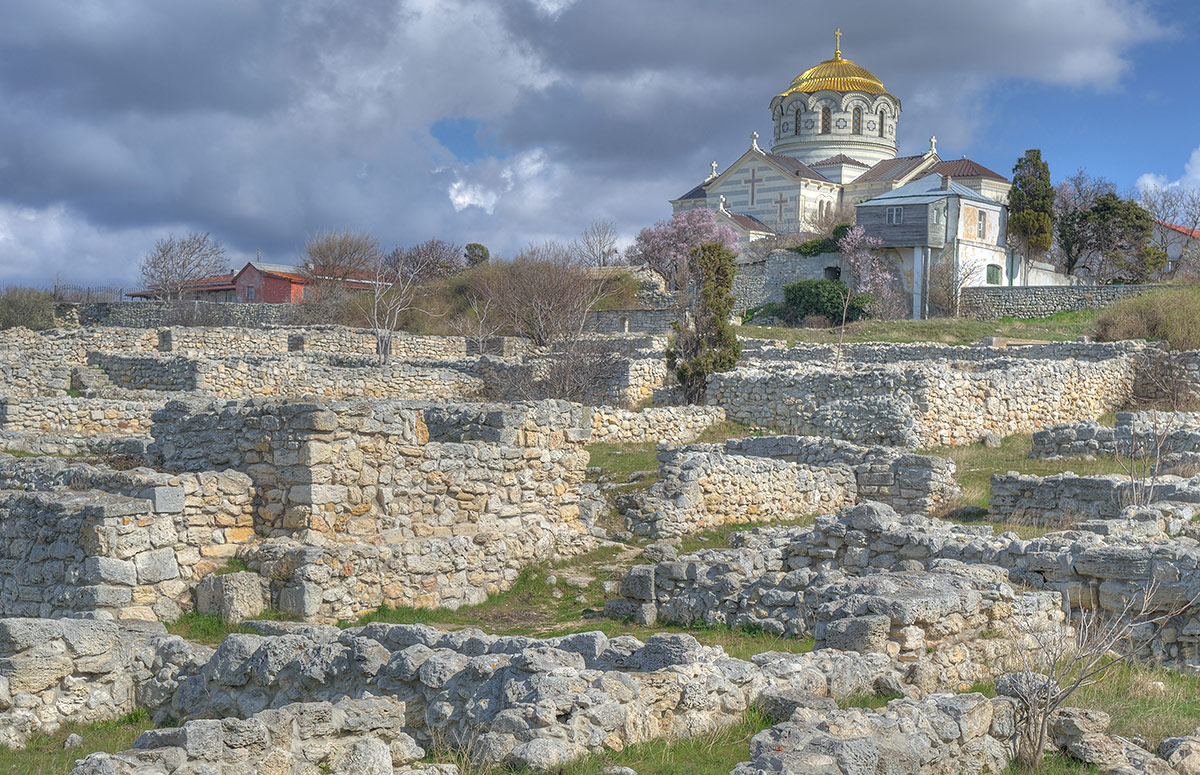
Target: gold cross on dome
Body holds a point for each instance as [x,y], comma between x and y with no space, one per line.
[837,47]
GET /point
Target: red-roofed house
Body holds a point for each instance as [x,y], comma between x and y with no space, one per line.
[215,288]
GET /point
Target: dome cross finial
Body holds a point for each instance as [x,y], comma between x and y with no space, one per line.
[837,46]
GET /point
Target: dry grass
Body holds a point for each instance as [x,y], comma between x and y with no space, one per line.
[1167,315]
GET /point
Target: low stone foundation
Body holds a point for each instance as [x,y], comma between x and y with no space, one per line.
[668,424]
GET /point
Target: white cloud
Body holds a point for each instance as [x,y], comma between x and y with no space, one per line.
[1189,179]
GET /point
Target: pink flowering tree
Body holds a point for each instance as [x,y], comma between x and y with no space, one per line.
[666,246]
[870,272]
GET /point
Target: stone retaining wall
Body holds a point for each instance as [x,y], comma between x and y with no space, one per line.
[1038,301]
[922,404]
[75,417]
[670,424]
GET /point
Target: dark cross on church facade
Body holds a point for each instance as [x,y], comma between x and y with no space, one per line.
[753,180]
[780,200]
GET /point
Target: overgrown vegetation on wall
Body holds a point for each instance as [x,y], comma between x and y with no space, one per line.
[28,307]
[1169,315]
[824,298]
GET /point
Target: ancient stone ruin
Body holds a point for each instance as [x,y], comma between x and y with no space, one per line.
[285,482]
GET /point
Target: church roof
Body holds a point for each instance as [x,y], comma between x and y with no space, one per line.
[749,222]
[841,158]
[890,169]
[837,74]
[965,168]
[795,166]
[924,190]
[696,193]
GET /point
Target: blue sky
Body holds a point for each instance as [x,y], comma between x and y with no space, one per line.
[509,122]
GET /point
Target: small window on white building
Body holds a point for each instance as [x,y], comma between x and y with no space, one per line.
[994,273]
[981,230]
[895,215]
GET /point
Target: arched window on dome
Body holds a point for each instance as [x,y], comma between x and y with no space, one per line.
[857,122]
[797,123]
[881,123]
[825,120]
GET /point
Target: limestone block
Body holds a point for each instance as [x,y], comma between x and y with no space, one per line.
[107,570]
[156,565]
[164,499]
[232,596]
[302,598]
[864,634]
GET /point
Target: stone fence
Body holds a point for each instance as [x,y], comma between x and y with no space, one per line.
[918,404]
[76,417]
[669,424]
[865,353]
[1038,301]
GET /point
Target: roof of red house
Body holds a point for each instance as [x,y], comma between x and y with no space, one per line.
[1185,231]
[217,282]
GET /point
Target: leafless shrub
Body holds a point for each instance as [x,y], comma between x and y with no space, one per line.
[545,295]
[28,307]
[597,245]
[175,264]
[1057,662]
[947,279]
[393,289]
[480,322]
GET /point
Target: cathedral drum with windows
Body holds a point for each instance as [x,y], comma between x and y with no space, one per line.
[836,107]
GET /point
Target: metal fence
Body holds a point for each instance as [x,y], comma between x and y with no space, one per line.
[81,294]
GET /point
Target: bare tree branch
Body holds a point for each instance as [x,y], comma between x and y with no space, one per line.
[176,263]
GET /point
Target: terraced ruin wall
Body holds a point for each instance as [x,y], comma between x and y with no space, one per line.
[1041,300]
[1149,435]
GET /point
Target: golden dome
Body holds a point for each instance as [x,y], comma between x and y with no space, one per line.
[837,74]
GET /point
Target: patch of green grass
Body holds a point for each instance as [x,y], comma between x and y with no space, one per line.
[211,630]
[232,565]
[617,461]
[1055,764]
[717,751]
[976,463]
[728,429]
[1063,326]
[718,538]
[43,754]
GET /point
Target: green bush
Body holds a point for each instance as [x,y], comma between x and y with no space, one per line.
[26,307]
[815,247]
[805,298]
[1167,316]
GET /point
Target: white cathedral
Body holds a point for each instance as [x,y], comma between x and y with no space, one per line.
[834,147]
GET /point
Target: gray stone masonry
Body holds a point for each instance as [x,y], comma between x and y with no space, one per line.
[1147,435]
[360,736]
[1038,301]
[1065,499]
[1101,564]
[774,478]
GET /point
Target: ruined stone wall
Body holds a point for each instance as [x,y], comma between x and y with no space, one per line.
[1065,499]
[364,736]
[889,352]
[314,375]
[58,671]
[21,377]
[922,404]
[1090,569]
[432,506]
[66,416]
[904,481]
[1038,301]
[70,346]
[1147,434]
[670,424]
[702,487]
[118,529]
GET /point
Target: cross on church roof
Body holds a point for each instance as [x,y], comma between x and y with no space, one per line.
[837,46]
